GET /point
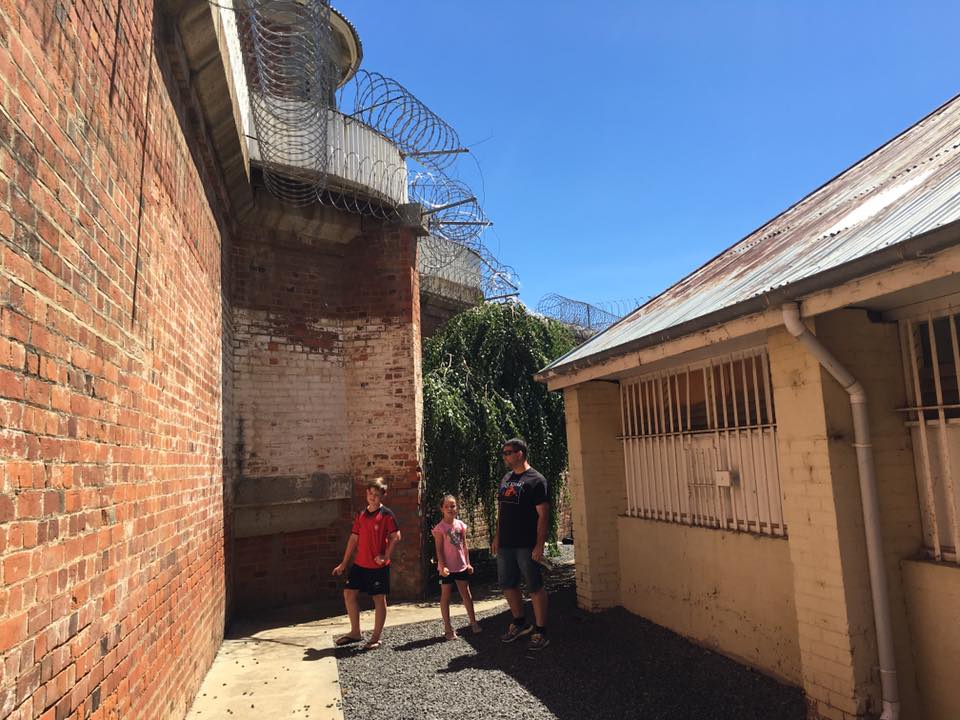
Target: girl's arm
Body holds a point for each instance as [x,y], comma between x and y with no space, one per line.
[466,551]
[438,541]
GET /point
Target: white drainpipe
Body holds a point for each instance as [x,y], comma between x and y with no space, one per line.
[871,506]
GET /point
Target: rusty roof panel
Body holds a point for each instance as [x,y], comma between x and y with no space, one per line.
[908,187]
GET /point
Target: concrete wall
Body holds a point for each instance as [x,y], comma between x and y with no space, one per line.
[732,592]
[933,598]
[111,500]
[327,395]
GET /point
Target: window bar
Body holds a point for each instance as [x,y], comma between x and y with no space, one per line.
[647,449]
[726,435]
[955,499]
[929,499]
[753,450]
[635,457]
[627,462]
[768,396]
[656,462]
[668,447]
[668,443]
[946,472]
[677,453]
[636,439]
[681,482]
[762,442]
[640,448]
[720,515]
[744,485]
[661,444]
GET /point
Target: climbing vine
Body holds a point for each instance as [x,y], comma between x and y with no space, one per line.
[478,390]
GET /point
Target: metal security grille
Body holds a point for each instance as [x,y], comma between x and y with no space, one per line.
[932,372]
[700,445]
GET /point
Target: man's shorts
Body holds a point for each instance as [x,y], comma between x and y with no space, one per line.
[512,562]
[453,577]
[372,581]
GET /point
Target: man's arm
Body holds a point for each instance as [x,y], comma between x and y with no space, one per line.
[543,527]
[351,546]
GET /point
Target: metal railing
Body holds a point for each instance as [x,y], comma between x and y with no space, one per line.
[931,355]
[700,445]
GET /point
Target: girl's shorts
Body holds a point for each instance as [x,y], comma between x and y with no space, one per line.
[453,577]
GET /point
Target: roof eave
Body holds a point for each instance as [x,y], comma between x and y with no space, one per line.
[911,249]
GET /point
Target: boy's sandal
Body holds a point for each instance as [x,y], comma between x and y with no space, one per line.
[372,645]
[346,640]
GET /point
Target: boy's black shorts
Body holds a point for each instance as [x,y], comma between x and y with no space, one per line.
[452,577]
[372,581]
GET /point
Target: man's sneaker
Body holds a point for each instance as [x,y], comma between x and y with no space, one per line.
[538,641]
[515,631]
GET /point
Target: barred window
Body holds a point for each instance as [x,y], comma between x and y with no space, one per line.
[931,360]
[700,445]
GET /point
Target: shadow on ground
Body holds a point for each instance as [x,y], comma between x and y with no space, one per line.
[598,665]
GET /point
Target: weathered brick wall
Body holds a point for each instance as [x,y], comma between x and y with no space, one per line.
[111,524]
[327,396]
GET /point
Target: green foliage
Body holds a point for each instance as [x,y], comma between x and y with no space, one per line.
[478,390]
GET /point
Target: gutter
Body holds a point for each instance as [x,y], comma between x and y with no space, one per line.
[915,248]
[871,505]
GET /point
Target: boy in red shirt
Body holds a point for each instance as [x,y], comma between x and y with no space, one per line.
[374,536]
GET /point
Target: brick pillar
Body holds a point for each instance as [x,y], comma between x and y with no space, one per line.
[820,483]
[597,488]
[384,389]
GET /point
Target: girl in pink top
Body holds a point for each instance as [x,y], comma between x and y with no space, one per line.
[453,564]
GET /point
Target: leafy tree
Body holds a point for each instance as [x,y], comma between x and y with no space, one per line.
[478,390]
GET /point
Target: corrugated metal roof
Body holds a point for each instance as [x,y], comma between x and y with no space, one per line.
[908,187]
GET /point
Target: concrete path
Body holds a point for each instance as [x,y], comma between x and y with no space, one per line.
[290,671]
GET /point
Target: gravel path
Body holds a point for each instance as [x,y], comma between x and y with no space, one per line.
[603,665]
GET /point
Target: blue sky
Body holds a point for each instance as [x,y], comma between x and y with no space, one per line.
[623,144]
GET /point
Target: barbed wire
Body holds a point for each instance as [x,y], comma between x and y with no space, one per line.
[288,60]
[395,112]
[578,315]
[451,210]
[454,270]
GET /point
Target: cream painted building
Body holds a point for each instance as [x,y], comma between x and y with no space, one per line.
[766,457]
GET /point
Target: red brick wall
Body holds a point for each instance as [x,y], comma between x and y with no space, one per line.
[111,494]
[327,396]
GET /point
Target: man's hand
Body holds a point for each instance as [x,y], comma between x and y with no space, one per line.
[380,560]
[537,554]
[338,570]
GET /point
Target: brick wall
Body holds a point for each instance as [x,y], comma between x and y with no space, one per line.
[326,354]
[111,519]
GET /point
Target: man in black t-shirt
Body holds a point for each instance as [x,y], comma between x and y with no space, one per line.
[522,525]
